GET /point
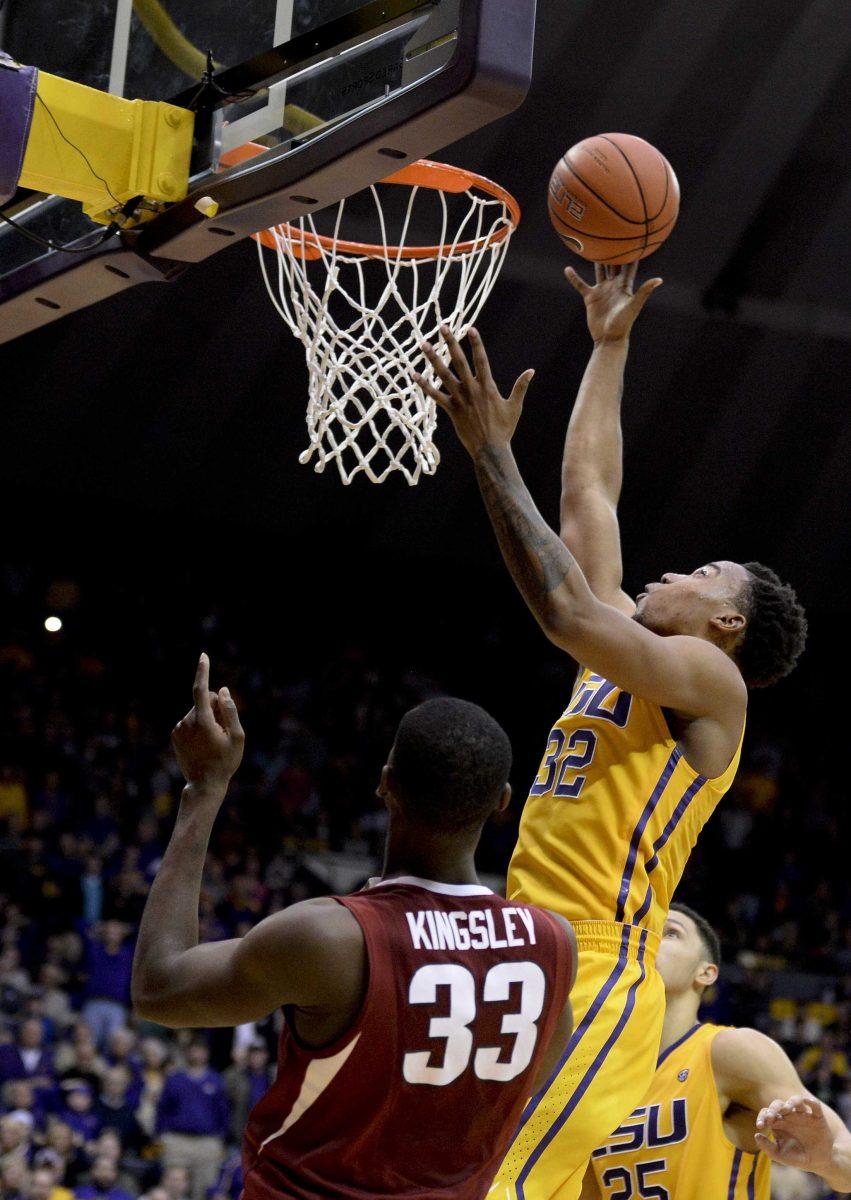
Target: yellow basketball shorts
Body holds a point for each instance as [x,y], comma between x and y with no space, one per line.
[618,1005]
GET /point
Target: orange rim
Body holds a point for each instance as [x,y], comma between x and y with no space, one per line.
[439,177]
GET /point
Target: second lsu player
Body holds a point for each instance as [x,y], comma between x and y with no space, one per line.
[648,743]
[699,1133]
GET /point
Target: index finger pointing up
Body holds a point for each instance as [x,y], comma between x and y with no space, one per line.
[201,686]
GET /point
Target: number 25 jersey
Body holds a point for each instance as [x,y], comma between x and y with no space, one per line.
[421,1095]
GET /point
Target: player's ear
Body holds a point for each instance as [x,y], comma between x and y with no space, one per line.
[504,800]
[728,621]
[707,975]
[383,789]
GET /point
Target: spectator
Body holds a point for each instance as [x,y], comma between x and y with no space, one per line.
[63,1153]
[246,1080]
[104,1182]
[154,1061]
[14,981]
[52,982]
[192,1119]
[114,1111]
[14,806]
[19,1096]
[92,889]
[175,1183]
[28,1058]
[43,1186]
[110,962]
[14,1179]
[77,1113]
[16,1130]
[122,1052]
[230,1182]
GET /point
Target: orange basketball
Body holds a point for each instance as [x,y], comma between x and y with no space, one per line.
[614,198]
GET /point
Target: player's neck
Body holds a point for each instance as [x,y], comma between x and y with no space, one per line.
[443,860]
[680,1017]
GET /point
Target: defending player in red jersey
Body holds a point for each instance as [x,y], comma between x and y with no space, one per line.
[421,1013]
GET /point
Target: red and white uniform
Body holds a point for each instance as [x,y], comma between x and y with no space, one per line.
[420,1097]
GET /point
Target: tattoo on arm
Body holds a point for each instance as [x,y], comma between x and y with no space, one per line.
[535,555]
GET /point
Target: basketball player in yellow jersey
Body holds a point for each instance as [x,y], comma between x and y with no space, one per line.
[646,746]
[695,1135]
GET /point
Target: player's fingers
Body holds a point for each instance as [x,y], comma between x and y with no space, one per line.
[644,293]
[789,1153]
[441,369]
[630,274]
[459,358]
[480,357]
[599,272]
[229,715]
[430,390]
[609,270]
[201,686]
[521,387]
[576,281]
[768,1146]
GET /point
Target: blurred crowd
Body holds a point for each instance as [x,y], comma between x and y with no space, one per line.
[99,1105]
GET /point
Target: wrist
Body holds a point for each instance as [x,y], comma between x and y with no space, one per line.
[619,345]
[208,789]
[838,1175]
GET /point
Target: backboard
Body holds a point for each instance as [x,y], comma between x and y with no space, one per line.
[341,92]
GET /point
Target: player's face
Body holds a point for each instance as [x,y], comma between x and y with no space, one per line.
[680,955]
[691,603]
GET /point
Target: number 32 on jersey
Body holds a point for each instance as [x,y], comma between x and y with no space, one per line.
[570,752]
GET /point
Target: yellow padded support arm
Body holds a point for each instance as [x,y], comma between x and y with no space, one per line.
[133,147]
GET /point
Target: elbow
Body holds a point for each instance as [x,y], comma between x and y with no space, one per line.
[558,621]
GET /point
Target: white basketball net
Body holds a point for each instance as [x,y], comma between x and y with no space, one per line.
[362,320]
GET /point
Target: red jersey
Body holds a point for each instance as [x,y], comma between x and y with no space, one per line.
[420,1097]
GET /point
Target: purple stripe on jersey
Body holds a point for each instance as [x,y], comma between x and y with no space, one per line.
[18,88]
[649,809]
[663,838]
[675,1045]
[581,1028]
[734,1175]
[752,1179]
[590,1074]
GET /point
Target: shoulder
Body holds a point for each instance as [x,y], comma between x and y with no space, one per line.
[320,924]
[742,1057]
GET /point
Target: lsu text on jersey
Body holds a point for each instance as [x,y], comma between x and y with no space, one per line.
[674,1144]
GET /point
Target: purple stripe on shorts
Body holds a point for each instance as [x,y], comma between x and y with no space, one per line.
[590,1074]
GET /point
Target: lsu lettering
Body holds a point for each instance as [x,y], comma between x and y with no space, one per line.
[674,1145]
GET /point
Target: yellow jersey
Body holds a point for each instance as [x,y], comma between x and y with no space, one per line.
[674,1144]
[613,813]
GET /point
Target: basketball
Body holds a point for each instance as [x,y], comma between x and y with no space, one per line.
[613,198]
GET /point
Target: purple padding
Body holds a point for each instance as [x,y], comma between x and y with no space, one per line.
[17,97]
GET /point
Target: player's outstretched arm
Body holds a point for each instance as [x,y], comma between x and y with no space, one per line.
[592,467]
[686,674]
[792,1127]
[311,955]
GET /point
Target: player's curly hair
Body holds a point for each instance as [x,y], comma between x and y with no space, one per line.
[776,631]
[451,762]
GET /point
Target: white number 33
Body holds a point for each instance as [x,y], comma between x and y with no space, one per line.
[454,1028]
